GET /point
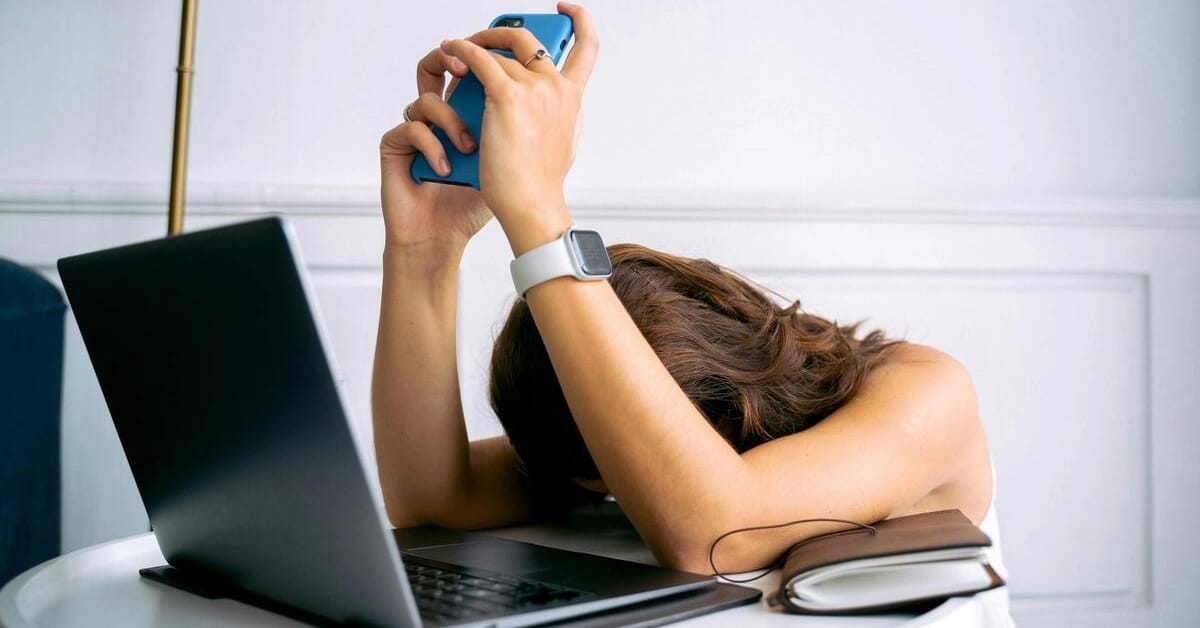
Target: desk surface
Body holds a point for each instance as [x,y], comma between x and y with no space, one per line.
[100,586]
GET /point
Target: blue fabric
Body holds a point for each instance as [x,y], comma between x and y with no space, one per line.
[31,355]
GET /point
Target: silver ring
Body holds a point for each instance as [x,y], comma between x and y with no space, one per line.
[540,54]
[405,112]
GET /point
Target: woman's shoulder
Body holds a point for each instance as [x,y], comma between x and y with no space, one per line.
[939,395]
[926,393]
[910,365]
[915,353]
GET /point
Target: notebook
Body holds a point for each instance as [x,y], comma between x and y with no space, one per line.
[214,364]
[913,561]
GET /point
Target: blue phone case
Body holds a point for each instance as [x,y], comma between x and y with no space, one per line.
[554,30]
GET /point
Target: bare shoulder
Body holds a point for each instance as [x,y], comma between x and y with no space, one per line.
[917,371]
[933,397]
[913,354]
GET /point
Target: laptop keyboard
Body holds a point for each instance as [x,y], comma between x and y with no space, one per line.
[446,593]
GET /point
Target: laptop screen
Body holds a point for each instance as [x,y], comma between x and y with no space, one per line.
[212,364]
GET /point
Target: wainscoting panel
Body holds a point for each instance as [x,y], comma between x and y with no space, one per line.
[1065,357]
[1077,326]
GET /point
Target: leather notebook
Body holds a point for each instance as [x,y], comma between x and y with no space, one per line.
[913,561]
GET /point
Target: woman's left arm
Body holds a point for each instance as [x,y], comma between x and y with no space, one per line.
[906,433]
[679,482]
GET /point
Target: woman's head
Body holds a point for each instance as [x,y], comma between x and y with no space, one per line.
[754,369]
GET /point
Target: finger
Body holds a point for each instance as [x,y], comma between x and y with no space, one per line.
[523,44]
[414,137]
[430,107]
[484,64]
[432,68]
[513,68]
[578,67]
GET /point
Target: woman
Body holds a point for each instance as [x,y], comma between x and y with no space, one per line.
[781,416]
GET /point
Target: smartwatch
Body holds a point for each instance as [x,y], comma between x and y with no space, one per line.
[578,253]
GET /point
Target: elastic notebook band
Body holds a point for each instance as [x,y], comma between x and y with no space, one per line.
[712,549]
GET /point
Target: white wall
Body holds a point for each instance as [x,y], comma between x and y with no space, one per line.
[847,99]
[1017,182]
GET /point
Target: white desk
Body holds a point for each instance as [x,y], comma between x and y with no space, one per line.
[99,586]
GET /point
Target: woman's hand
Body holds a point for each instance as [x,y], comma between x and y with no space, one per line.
[530,125]
[432,221]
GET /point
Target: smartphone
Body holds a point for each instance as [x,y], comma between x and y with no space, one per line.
[554,30]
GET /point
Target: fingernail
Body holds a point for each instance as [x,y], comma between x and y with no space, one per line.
[443,167]
[467,142]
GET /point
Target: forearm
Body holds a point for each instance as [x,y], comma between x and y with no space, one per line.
[671,472]
[420,437]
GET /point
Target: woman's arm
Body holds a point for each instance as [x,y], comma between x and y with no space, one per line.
[428,471]
[680,483]
[907,432]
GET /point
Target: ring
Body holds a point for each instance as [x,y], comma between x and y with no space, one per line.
[540,54]
[405,112]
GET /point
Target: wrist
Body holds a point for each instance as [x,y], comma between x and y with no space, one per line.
[423,260]
[546,222]
[579,253]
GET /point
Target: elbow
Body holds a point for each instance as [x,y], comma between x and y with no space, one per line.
[705,550]
[703,538]
[683,557]
[398,517]
[680,546]
[729,557]
[401,508]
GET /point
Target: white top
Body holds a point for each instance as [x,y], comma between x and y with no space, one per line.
[994,604]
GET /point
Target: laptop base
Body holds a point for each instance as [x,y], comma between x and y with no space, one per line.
[657,612]
[212,589]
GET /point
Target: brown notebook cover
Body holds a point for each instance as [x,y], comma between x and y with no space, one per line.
[905,539]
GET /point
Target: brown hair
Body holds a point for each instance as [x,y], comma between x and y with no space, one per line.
[756,370]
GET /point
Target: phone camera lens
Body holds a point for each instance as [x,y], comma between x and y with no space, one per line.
[514,22]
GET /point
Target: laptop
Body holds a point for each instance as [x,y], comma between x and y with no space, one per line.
[213,362]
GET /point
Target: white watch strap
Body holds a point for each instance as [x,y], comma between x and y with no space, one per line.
[550,260]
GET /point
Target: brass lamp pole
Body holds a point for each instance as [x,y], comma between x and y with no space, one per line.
[183,109]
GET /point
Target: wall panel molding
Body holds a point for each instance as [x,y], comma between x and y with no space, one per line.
[625,203]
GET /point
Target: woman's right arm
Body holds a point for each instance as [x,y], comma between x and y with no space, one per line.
[428,470]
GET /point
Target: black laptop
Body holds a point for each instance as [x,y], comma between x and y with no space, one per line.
[216,370]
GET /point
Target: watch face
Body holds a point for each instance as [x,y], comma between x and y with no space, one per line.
[590,251]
